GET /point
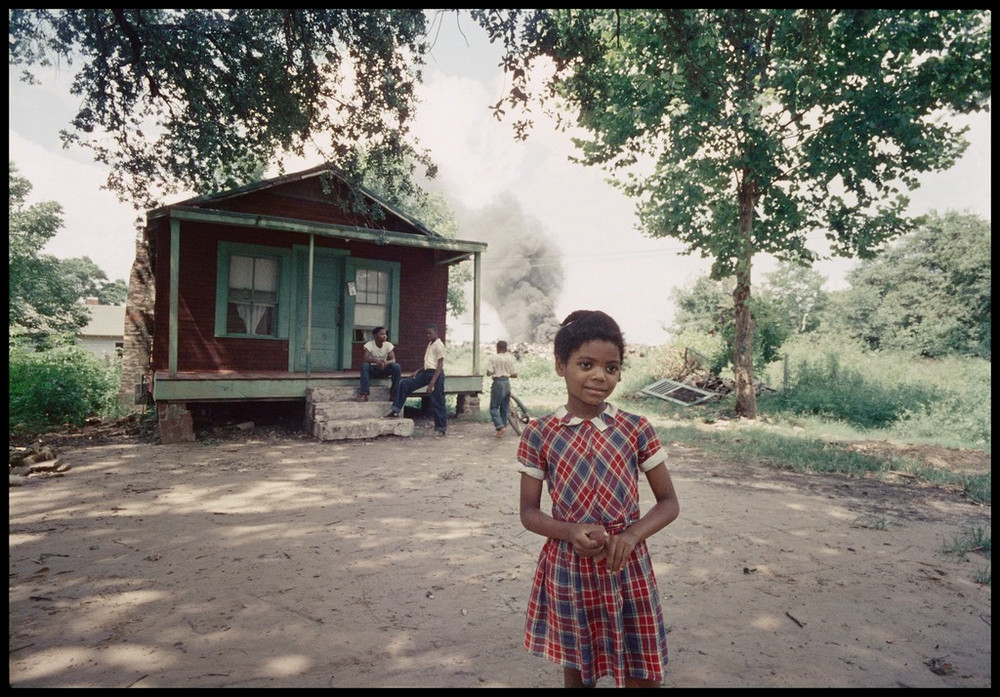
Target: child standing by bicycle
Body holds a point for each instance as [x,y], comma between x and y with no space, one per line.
[501,366]
[595,606]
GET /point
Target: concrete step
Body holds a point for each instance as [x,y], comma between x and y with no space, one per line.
[333,413]
[346,393]
[349,410]
[362,428]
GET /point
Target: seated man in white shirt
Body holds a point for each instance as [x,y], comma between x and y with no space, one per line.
[379,362]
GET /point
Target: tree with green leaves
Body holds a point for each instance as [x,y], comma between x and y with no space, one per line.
[90,281]
[929,294]
[45,292]
[42,300]
[797,295]
[741,131]
[197,99]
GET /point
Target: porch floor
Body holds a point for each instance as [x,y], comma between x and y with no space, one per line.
[232,385]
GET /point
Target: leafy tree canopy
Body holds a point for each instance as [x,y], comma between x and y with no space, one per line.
[197,99]
[37,297]
[45,292]
[929,294]
[741,131]
[90,281]
[820,117]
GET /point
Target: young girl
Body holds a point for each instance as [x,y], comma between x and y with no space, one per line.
[594,605]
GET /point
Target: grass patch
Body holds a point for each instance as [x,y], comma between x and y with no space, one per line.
[852,396]
[976,540]
[873,522]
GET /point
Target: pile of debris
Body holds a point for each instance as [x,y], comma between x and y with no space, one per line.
[34,461]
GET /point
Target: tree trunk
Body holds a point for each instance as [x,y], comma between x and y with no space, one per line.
[746,396]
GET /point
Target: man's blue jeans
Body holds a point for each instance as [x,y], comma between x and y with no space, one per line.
[368,371]
[500,402]
[438,406]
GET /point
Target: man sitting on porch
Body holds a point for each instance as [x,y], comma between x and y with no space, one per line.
[431,375]
[379,362]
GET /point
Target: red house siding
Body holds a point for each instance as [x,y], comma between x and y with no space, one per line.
[420,283]
[423,297]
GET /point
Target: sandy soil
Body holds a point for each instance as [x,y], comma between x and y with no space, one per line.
[285,562]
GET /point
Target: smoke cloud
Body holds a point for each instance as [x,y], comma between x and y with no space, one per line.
[522,269]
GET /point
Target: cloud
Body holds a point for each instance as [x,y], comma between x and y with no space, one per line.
[95,223]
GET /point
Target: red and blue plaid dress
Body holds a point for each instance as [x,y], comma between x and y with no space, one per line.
[580,615]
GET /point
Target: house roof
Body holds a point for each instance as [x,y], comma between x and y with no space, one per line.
[200,208]
[105,320]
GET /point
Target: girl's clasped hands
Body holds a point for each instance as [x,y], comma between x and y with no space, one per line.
[592,541]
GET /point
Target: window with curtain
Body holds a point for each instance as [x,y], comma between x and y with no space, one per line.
[253,295]
[371,304]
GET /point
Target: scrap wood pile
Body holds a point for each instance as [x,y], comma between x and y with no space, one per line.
[717,383]
[34,461]
[36,456]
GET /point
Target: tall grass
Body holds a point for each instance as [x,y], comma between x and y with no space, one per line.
[946,402]
[828,389]
[834,394]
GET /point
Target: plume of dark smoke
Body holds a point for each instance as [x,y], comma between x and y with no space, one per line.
[522,269]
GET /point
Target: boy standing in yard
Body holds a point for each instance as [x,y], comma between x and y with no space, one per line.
[501,366]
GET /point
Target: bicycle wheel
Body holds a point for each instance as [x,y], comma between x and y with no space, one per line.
[518,415]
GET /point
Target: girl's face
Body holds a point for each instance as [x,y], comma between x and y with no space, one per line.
[591,374]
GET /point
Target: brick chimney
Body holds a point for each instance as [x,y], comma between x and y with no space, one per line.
[138,337]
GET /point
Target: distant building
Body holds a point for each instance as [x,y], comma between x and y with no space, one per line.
[104,335]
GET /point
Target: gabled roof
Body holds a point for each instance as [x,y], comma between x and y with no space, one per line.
[200,208]
[311,173]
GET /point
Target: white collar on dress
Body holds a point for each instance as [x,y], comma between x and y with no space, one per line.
[599,421]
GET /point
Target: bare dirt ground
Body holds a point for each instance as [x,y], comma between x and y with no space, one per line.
[267,559]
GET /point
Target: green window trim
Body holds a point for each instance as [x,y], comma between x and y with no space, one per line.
[226,251]
[392,322]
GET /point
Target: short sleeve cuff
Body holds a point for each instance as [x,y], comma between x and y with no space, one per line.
[532,472]
[657,458]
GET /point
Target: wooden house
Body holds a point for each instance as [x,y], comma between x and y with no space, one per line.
[269,291]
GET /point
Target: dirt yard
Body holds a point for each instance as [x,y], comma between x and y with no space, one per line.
[263,561]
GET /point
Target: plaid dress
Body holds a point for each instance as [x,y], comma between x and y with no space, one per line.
[579,615]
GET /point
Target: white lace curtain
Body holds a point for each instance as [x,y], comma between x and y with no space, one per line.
[253,289]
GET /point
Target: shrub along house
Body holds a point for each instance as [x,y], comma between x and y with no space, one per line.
[269,291]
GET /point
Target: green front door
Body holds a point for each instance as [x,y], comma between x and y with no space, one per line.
[319,350]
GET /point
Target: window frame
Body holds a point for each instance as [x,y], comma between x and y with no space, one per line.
[283,309]
[392,314]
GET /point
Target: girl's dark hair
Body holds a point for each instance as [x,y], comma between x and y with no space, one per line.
[582,326]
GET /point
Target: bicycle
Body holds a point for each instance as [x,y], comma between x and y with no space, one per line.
[518,416]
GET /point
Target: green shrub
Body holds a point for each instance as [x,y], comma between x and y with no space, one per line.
[835,392]
[961,417]
[955,413]
[63,384]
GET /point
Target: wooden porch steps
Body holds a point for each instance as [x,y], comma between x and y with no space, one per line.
[333,413]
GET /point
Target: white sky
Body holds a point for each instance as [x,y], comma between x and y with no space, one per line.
[608,265]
